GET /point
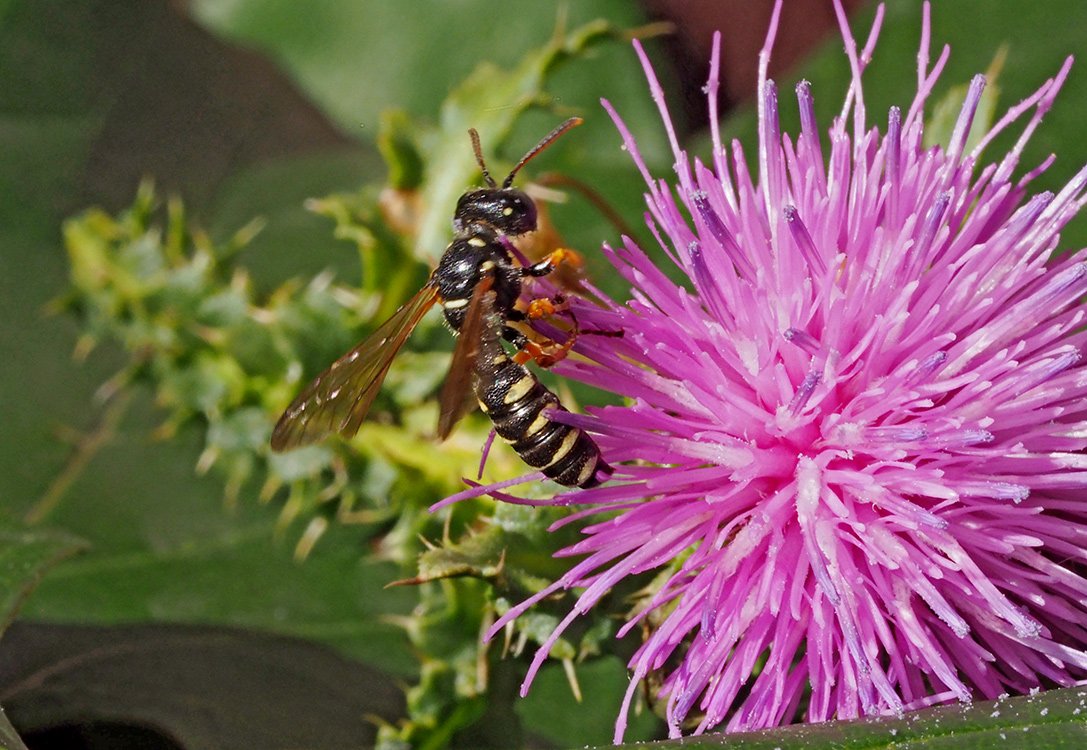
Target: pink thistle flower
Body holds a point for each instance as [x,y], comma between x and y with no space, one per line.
[857,434]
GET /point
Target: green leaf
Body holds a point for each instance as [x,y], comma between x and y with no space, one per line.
[940,125]
[25,555]
[357,60]
[1055,720]
[490,100]
[9,738]
[551,709]
[294,241]
[252,689]
[399,149]
[166,549]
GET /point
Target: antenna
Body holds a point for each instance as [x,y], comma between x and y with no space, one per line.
[544,143]
[479,158]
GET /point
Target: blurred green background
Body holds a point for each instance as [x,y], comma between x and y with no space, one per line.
[247,108]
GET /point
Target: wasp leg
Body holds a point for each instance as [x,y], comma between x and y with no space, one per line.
[544,351]
[532,346]
[545,307]
[544,354]
[548,352]
[561,256]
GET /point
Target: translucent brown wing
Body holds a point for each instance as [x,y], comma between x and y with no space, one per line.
[456,396]
[337,400]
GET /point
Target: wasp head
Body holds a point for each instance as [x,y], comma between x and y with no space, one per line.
[504,208]
[508,210]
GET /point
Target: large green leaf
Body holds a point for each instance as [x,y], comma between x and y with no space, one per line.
[202,687]
[164,546]
[293,241]
[552,710]
[25,555]
[9,738]
[166,549]
[1054,720]
[358,59]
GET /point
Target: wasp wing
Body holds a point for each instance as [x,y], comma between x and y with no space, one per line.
[456,396]
[337,400]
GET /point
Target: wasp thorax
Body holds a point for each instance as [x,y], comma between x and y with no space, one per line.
[507,210]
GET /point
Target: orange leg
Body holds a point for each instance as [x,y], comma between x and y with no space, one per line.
[545,307]
[543,351]
[562,256]
[545,354]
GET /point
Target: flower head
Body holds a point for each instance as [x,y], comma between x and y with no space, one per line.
[856,435]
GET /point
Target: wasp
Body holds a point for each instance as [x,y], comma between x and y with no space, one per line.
[478,283]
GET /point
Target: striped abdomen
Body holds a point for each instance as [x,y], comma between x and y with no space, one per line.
[515,401]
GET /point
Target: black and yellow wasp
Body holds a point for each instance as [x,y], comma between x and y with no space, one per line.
[478,284]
